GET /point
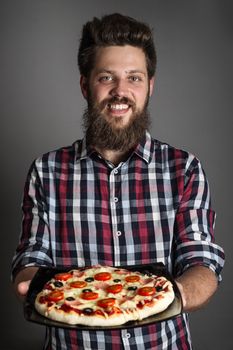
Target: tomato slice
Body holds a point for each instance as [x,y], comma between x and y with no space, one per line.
[146,291]
[63,276]
[78,284]
[89,295]
[115,288]
[103,276]
[105,303]
[132,278]
[55,295]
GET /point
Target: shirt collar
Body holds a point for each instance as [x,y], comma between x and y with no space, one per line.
[143,149]
[82,151]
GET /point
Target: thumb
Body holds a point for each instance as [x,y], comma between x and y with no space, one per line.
[23,287]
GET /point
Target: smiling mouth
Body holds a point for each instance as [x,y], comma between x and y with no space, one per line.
[118,107]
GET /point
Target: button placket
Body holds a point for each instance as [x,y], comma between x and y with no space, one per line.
[125,338]
[113,204]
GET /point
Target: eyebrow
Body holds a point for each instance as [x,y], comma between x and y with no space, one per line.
[133,71]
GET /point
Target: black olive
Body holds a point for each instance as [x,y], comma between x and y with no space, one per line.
[88,311]
[70,298]
[58,284]
[132,288]
[116,280]
[148,273]
[86,290]
[159,288]
[89,279]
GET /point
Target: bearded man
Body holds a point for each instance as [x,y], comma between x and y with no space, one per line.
[119,196]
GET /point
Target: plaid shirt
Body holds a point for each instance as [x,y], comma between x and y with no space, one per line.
[80,209]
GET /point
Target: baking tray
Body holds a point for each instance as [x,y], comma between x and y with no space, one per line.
[45,274]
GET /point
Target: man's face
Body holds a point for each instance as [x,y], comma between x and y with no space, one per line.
[118,88]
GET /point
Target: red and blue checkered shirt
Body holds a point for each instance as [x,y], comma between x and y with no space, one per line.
[80,209]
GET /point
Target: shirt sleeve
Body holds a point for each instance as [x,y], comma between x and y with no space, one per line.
[34,243]
[194,225]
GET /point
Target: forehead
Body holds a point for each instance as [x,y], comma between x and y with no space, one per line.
[120,57]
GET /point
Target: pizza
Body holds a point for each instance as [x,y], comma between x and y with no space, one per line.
[103,296]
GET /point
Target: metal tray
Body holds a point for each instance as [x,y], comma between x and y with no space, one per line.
[45,274]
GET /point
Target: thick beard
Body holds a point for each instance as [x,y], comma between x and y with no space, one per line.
[104,135]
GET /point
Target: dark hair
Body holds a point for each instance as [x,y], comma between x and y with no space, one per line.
[115,30]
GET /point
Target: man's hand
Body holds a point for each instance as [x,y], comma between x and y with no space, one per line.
[23,280]
[196,287]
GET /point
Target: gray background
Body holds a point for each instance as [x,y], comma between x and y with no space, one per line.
[41,109]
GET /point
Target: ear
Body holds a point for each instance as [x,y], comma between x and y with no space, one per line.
[151,85]
[83,85]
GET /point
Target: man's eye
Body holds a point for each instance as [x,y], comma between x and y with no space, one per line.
[135,78]
[105,78]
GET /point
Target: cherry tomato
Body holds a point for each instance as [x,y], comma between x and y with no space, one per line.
[132,278]
[63,276]
[55,295]
[89,295]
[103,276]
[115,288]
[105,303]
[78,284]
[146,291]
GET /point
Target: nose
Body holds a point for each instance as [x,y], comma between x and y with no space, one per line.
[120,88]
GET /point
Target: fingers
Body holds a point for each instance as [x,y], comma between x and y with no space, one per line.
[23,288]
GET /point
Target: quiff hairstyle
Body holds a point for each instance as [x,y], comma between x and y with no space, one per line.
[115,30]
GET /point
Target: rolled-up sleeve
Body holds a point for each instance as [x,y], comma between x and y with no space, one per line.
[194,225]
[34,244]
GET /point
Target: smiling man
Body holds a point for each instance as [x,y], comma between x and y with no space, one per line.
[119,196]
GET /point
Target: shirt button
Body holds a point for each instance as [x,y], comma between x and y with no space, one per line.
[127,335]
[118,233]
[115,199]
[115,171]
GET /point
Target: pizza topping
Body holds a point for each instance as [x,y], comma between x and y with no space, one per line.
[70,298]
[63,276]
[78,273]
[88,311]
[148,280]
[55,296]
[78,284]
[99,312]
[159,288]
[146,291]
[148,273]
[48,286]
[103,276]
[89,279]
[121,271]
[116,280]
[132,288]
[58,284]
[132,278]
[113,311]
[115,288]
[89,295]
[86,290]
[67,308]
[106,303]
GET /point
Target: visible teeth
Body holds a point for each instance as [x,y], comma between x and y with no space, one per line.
[117,106]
